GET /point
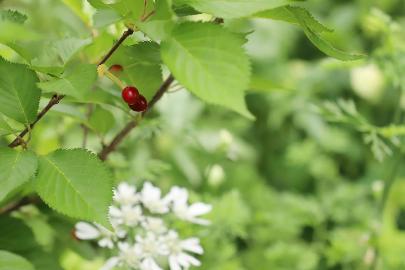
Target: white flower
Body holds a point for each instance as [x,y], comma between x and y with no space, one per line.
[178,257]
[126,215]
[136,214]
[154,225]
[126,194]
[149,264]
[128,255]
[86,231]
[179,196]
[151,199]
[151,247]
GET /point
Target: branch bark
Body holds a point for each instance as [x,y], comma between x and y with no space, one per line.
[57,98]
[117,140]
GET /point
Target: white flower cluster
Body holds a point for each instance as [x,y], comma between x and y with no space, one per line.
[141,240]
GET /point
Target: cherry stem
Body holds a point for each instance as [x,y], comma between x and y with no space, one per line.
[113,78]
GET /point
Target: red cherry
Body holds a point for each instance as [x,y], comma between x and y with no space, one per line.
[116,68]
[130,94]
[140,105]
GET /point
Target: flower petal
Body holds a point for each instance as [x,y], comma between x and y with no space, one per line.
[110,263]
[86,231]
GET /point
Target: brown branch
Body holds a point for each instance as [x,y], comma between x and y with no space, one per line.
[57,98]
[19,140]
[124,36]
[18,204]
[107,149]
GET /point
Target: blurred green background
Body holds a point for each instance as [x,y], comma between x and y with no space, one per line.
[302,187]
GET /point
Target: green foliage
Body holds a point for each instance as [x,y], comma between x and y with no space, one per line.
[12,16]
[101,120]
[75,183]
[209,61]
[311,27]
[10,261]
[16,168]
[19,96]
[315,182]
[234,9]
[159,26]
[76,82]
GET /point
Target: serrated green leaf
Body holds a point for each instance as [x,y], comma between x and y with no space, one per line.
[312,29]
[328,49]
[76,84]
[141,66]
[75,183]
[234,8]
[11,261]
[12,16]
[16,168]
[101,120]
[210,62]
[19,95]
[290,13]
[56,54]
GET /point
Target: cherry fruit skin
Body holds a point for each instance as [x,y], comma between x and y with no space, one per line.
[116,68]
[130,95]
[140,105]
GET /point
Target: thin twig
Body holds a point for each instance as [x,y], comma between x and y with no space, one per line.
[107,149]
[124,36]
[52,102]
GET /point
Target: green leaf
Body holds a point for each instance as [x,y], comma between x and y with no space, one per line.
[76,84]
[12,16]
[328,49]
[5,128]
[15,235]
[160,25]
[77,6]
[312,29]
[129,8]
[126,9]
[234,8]
[16,168]
[101,120]
[210,62]
[141,66]
[99,4]
[11,261]
[105,17]
[19,95]
[289,14]
[75,183]
[56,54]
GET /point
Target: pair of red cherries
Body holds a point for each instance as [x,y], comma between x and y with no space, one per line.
[130,94]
